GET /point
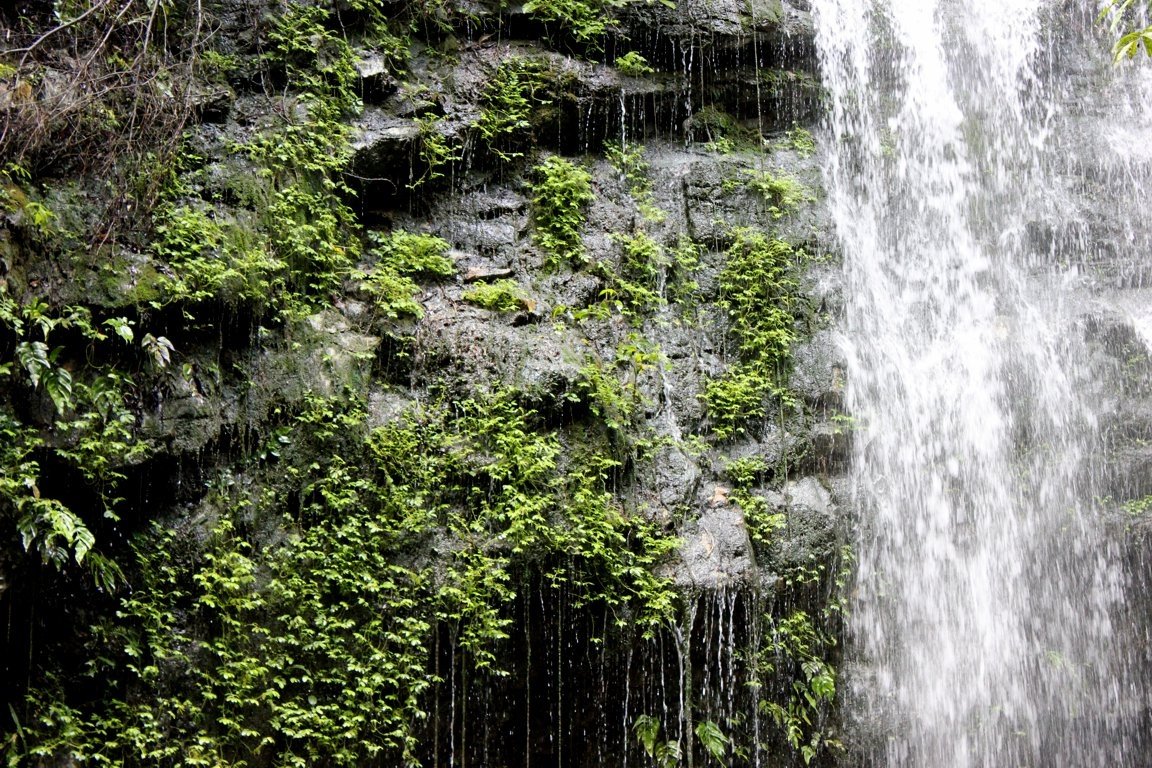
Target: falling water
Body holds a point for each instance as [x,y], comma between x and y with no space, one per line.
[984,619]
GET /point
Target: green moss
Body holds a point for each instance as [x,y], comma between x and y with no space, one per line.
[401,257]
[298,242]
[586,20]
[314,57]
[738,396]
[762,523]
[216,67]
[310,227]
[682,287]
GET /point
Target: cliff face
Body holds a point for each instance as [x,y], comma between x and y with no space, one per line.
[417,383]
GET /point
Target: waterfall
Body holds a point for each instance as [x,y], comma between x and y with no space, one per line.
[984,625]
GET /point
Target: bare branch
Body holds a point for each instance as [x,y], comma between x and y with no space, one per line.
[59,28]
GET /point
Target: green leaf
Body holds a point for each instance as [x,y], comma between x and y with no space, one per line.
[33,356]
[122,327]
[58,384]
[713,739]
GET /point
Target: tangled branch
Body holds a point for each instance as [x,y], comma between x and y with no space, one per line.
[105,92]
[98,82]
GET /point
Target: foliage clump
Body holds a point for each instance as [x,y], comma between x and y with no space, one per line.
[401,258]
[1131,37]
[801,141]
[95,433]
[636,285]
[629,160]
[760,294]
[437,151]
[720,131]
[416,254]
[586,20]
[762,522]
[560,195]
[209,257]
[781,193]
[319,649]
[517,99]
[633,64]
[499,296]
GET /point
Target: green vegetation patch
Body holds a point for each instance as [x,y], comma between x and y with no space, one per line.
[629,160]
[210,256]
[521,95]
[633,64]
[316,649]
[94,430]
[801,141]
[499,296]
[635,285]
[415,254]
[720,131]
[781,193]
[760,294]
[560,196]
[401,259]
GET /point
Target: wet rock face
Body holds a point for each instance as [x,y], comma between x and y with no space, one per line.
[1098,247]
[783,27]
[610,350]
[716,550]
[812,518]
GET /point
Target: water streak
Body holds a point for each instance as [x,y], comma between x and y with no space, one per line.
[987,588]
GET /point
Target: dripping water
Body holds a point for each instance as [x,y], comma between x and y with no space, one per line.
[984,626]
